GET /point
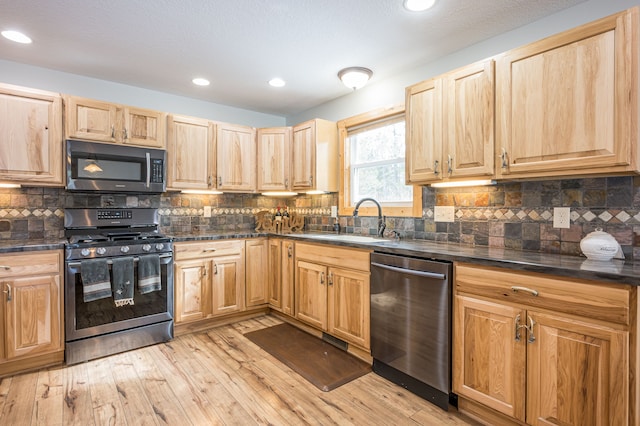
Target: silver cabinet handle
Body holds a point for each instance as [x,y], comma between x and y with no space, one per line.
[311,180]
[125,134]
[210,180]
[290,251]
[322,278]
[504,158]
[113,132]
[208,249]
[532,337]
[436,163]
[330,278]
[517,288]
[219,181]
[286,183]
[518,327]
[215,269]
[8,292]
[449,165]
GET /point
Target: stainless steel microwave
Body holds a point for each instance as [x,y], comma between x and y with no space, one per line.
[114,168]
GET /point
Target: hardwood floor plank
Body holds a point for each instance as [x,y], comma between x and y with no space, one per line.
[5,384]
[76,409]
[137,408]
[164,402]
[18,407]
[105,400]
[49,398]
[227,408]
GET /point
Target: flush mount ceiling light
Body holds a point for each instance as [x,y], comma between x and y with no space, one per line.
[16,36]
[277,82]
[198,81]
[418,5]
[355,77]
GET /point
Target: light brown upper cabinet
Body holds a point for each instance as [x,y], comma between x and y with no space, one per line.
[190,153]
[274,159]
[568,104]
[99,121]
[31,135]
[450,126]
[236,158]
[315,156]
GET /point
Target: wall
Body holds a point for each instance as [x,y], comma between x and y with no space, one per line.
[391,91]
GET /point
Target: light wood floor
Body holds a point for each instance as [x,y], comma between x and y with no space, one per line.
[207,378]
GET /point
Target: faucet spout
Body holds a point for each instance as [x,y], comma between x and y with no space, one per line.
[381,224]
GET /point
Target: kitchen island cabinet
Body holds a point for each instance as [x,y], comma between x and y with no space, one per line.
[542,349]
[31,332]
[31,134]
[99,121]
[568,104]
[332,291]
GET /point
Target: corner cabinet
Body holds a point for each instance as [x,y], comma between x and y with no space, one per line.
[31,132]
[100,121]
[236,158]
[539,349]
[32,333]
[209,279]
[274,159]
[315,156]
[450,126]
[190,153]
[332,291]
[281,275]
[568,104]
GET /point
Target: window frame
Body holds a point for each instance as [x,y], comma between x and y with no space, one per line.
[344,193]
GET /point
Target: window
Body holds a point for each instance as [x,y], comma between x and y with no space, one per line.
[372,164]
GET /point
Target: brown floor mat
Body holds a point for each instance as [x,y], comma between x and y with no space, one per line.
[322,364]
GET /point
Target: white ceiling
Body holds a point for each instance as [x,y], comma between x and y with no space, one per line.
[241,44]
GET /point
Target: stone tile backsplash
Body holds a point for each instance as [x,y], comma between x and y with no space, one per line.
[517,215]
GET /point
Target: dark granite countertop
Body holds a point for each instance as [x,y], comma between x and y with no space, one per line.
[614,271]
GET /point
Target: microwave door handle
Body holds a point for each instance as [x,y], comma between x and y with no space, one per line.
[148,168]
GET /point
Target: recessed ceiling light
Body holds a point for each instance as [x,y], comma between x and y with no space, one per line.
[16,36]
[418,5]
[200,81]
[277,82]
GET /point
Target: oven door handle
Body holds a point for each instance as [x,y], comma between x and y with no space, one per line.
[135,259]
[148,168]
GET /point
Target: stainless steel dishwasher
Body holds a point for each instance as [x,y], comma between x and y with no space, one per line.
[411,324]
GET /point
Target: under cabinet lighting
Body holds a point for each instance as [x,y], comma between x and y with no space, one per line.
[201,191]
[9,185]
[463,183]
[316,192]
[279,194]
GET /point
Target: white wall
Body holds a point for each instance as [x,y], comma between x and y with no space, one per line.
[391,91]
[73,84]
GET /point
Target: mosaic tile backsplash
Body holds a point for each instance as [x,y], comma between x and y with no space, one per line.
[517,215]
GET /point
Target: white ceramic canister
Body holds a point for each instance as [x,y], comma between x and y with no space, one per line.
[600,245]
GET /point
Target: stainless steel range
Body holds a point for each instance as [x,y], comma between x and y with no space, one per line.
[118,282]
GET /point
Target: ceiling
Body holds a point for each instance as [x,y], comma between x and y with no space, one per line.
[241,44]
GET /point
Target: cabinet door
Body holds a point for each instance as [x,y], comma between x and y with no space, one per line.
[32,315]
[274,147]
[567,104]
[311,294]
[257,267]
[287,276]
[236,158]
[469,121]
[275,274]
[349,304]
[227,284]
[31,135]
[488,358]
[192,290]
[423,156]
[92,120]
[143,127]
[190,153]
[578,373]
[303,155]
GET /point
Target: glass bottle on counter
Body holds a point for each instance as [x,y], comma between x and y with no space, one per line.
[278,215]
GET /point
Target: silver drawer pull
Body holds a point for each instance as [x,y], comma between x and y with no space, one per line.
[208,249]
[517,288]
[5,267]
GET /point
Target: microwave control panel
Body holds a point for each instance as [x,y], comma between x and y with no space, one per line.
[157,170]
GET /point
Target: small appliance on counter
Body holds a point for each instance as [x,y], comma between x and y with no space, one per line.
[600,245]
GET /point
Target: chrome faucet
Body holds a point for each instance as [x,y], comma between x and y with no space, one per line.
[381,224]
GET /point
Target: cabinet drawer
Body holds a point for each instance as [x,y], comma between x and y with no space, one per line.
[578,297]
[201,249]
[33,263]
[349,258]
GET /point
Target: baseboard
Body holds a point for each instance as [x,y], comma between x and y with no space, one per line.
[205,324]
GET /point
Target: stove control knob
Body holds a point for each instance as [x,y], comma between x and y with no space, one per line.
[101,250]
[146,247]
[85,252]
[124,249]
[159,246]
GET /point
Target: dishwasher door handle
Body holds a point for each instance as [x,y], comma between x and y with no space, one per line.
[435,275]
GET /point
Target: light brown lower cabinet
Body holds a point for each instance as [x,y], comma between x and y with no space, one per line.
[209,279]
[256,266]
[542,350]
[32,333]
[332,291]
[280,277]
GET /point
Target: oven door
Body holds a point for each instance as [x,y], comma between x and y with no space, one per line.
[102,316]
